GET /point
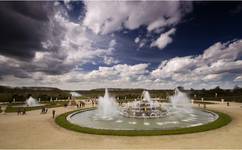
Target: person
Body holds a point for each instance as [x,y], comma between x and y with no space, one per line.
[19,111]
[92,103]
[65,105]
[24,111]
[204,106]
[227,103]
[43,110]
[53,113]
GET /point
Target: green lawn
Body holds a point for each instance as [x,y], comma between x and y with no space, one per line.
[223,120]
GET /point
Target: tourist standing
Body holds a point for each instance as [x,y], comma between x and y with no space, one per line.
[53,113]
[92,103]
[24,111]
[43,110]
[19,111]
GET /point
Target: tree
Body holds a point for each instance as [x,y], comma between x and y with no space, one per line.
[180,88]
[236,87]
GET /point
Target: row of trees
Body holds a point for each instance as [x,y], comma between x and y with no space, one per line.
[217,94]
[45,94]
[7,94]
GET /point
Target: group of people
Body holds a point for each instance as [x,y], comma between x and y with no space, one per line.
[21,111]
[44,110]
[82,104]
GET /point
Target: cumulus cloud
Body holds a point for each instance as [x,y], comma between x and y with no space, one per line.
[118,72]
[205,70]
[213,77]
[136,40]
[107,17]
[110,60]
[218,61]
[48,41]
[238,78]
[164,39]
[49,49]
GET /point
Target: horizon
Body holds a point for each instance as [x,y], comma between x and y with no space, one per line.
[83,45]
[116,88]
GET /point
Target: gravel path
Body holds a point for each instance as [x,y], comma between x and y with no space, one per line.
[40,131]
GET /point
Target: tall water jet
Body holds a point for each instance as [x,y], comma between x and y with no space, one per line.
[107,106]
[31,102]
[146,96]
[75,94]
[180,101]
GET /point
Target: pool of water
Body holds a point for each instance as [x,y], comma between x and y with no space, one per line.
[172,120]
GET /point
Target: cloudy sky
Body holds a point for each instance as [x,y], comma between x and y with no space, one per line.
[121,44]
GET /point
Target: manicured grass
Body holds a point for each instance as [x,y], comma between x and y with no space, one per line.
[223,120]
[48,105]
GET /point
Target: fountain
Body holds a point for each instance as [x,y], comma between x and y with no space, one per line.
[107,106]
[144,108]
[180,102]
[3,108]
[31,102]
[180,99]
[143,114]
[75,94]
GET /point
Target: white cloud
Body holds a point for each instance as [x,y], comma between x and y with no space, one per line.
[136,40]
[109,16]
[110,60]
[238,78]
[112,43]
[76,46]
[213,77]
[73,46]
[228,51]
[203,71]
[218,61]
[164,39]
[120,71]
[156,24]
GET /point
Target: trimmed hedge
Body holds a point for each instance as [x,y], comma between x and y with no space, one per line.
[223,120]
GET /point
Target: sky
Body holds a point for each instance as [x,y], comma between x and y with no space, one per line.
[76,45]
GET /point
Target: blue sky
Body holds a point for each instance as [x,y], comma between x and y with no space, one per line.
[121,44]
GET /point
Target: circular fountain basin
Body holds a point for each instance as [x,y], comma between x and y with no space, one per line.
[173,120]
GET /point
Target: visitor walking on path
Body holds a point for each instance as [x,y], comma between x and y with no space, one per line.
[43,110]
[24,111]
[19,111]
[53,113]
